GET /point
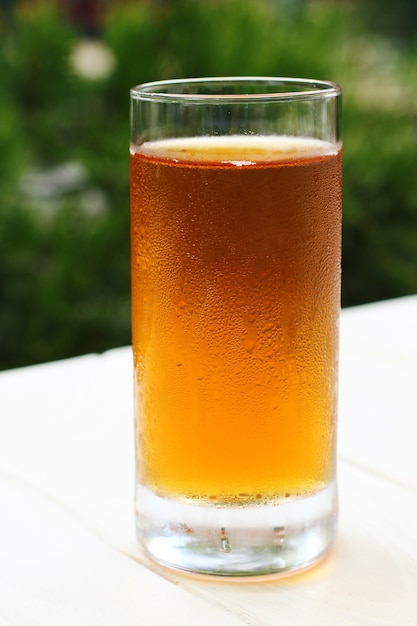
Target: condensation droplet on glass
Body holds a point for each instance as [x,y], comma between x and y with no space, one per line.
[249,344]
[224,541]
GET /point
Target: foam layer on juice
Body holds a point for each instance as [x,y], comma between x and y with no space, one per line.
[236,149]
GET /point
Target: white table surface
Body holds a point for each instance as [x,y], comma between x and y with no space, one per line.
[68,553]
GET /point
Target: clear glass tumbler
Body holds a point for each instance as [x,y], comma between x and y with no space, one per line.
[236,244]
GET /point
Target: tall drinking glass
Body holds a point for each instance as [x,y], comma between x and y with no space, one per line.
[236,231]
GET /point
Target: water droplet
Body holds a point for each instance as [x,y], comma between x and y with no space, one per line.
[224,542]
[279,535]
[249,344]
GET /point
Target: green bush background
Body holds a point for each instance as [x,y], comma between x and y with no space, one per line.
[64,275]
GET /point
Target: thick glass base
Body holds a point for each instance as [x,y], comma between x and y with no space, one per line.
[237,540]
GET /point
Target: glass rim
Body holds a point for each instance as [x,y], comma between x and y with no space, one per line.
[302,89]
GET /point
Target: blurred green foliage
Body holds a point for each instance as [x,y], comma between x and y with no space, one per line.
[64,270]
[397,18]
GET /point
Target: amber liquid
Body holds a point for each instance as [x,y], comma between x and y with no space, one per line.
[236,281]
